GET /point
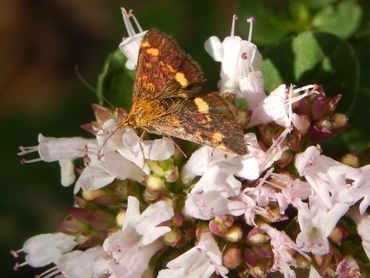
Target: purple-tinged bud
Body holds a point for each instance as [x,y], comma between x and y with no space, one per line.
[232,257]
[101,220]
[216,228]
[320,132]
[102,114]
[177,220]
[318,106]
[257,237]
[172,175]
[333,102]
[250,257]
[234,234]
[263,252]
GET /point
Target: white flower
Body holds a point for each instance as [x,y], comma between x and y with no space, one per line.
[45,249]
[210,204]
[101,171]
[363,228]
[277,106]
[91,263]
[201,261]
[130,46]
[316,223]
[282,245]
[133,246]
[333,181]
[64,150]
[238,59]
[120,154]
[210,195]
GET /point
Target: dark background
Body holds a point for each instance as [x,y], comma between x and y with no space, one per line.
[41,43]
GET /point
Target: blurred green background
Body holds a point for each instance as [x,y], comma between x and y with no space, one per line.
[42,42]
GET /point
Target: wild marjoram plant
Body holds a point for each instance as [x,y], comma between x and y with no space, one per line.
[257,196]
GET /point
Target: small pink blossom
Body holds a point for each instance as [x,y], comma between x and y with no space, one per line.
[133,246]
[201,261]
[282,245]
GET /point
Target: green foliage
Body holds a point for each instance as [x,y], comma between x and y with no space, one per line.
[115,82]
[313,57]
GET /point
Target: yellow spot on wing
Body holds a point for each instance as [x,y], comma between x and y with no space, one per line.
[145,44]
[153,51]
[217,137]
[202,105]
[180,77]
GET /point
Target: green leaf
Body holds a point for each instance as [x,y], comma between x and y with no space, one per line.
[115,82]
[313,58]
[342,19]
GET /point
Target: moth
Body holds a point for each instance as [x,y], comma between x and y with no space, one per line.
[167,98]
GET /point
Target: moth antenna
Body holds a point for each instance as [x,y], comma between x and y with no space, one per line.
[89,86]
[83,80]
[142,148]
[178,147]
[109,136]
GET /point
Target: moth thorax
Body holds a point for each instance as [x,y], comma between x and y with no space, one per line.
[146,112]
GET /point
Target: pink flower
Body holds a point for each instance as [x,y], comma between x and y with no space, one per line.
[333,181]
[201,261]
[133,246]
[316,223]
[282,246]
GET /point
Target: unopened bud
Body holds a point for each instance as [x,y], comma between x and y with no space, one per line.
[172,175]
[120,217]
[234,234]
[173,237]
[155,183]
[301,261]
[338,234]
[285,159]
[90,195]
[232,257]
[350,160]
[151,195]
[257,237]
[339,120]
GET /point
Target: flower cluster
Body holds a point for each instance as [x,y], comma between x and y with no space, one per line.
[142,209]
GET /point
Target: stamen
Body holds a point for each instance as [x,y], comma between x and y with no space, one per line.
[49,273]
[15,253]
[138,26]
[17,266]
[25,161]
[235,17]
[26,150]
[250,20]
[126,19]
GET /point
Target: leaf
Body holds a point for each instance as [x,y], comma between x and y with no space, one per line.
[313,57]
[115,82]
[342,19]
